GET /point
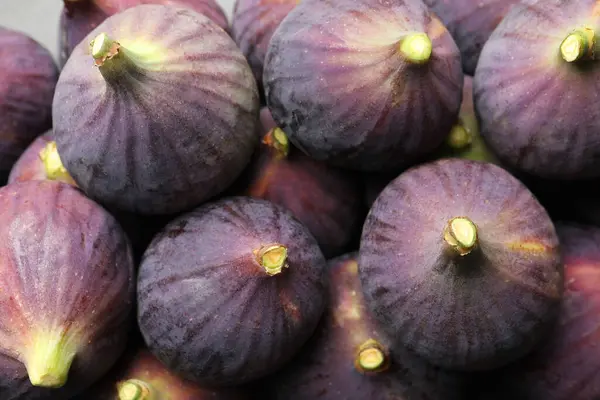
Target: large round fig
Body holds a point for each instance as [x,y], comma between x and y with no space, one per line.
[159,114]
[229,292]
[461,264]
[471,22]
[252,25]
[67,290]
[80,17]
[363,84]
[350,357]
[536,89]
[28,78]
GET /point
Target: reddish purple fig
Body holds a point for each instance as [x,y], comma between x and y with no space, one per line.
[252,26]
[28,77]
[461,264]
[536,89]
[80,17]
[363,84]
[67,290]
[351,358]
[471,22]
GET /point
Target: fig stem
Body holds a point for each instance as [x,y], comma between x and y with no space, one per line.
[273,258]
[278,141]
[459,137]
[371,357]
[416,48]
[580,44]
[50,359]
[135,389]
[461,235]
[53,166]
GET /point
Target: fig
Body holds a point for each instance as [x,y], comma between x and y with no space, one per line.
[159,114]
[471,22]
[68,288]
[229,292]
[252,25]
[29,75]
[566,365]
[350,357]
[79,17]
[326,200]
[366,85]
[535,89]
[461,264]
[140,376]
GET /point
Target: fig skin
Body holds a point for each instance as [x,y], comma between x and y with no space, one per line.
[328,368]
[150,138]
[565,365]
[29,75]
[469,307]
[79,17]
[205,264]
[138,364]
[338,84]
[252,25]
[537,111]
[67,275]
[327,200]
[471,22]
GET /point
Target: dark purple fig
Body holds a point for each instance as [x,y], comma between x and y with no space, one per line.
[566,366]
[363,84]
[471,22]
[28,79]
[80,17]
[460,262]
[165,116]
[252,25]
[325,199]
[229,292]
[67,293]
[536,88]
[350,357]
[140,376]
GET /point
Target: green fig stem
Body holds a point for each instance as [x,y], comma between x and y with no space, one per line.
[580,45]
[278,141]
[135,389]
[371,357]
[416,48]
[50,358]
[272,258]
[461,235]
[53,166]
[459,137]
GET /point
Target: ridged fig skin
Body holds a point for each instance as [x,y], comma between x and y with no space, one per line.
[79,18]
[29,75]
[474,312]
[66,265]
[252,25]
[168,136]
[470,22]
[537,112]
[337,84]
[209,311]
[566,365]
[139,363]
[30,166]
[325,368]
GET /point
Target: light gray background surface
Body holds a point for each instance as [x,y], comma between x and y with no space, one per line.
[39,18]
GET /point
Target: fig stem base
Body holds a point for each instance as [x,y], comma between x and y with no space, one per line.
[49,360]
[273,258]
[416,48]
[53,166]
[580,45]
[461,235]
[135,389]
[371,357]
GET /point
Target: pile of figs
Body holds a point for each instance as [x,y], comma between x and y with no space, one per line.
[315,199]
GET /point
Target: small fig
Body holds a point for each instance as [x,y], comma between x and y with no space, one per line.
[66,290]
[158,114]
[363,84]
[229,292]
[461,264]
